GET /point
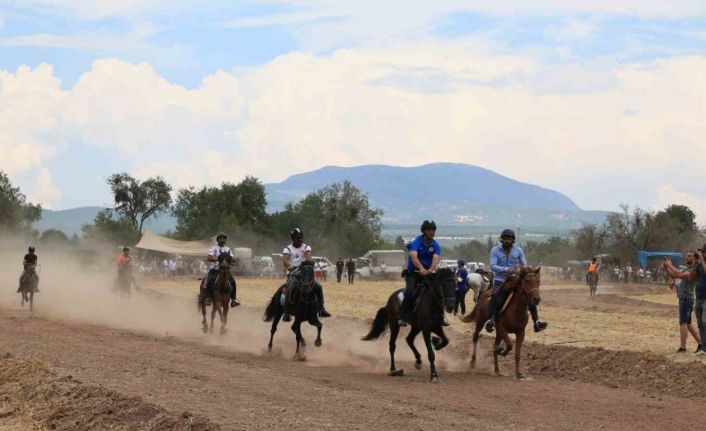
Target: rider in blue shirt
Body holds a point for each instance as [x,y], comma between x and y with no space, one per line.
[505,260]
[424,256]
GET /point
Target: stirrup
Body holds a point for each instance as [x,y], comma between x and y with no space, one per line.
[234,303]
[540,326]
[324,313]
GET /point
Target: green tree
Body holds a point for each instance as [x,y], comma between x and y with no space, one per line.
[400,244]
[472,251]
[555,251]
[589,240]
[108,228]
[683,218]
[337,218]
[138,201]
[230,208]
[15,212]
[54,237]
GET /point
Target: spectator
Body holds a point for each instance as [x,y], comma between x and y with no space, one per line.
[350,269]
[319,270]
[339,269]
[461,287]
[383,269]
[691,281]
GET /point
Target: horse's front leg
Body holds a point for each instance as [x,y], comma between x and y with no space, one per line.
[519,338]
[319,327]
[214,309]
[273,329]
[434,376]
[476,336]
[224,319]
[497,349]
[297,329]
[410,342]
[31,303]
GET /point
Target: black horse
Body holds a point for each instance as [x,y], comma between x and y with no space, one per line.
[435,293]
[304,309]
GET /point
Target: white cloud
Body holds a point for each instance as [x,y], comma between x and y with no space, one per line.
[280,19]
[668,195]
[44,189]
[301,111]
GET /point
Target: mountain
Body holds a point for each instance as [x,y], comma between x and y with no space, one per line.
[451,194]
[71,220]
[467,199]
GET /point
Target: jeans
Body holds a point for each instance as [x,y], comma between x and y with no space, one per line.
[351,276]
[338,276]
[686,305]
[460,301]
[700,311]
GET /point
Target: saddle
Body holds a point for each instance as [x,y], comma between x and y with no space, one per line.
[488,276]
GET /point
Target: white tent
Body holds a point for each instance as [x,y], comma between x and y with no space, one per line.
[152,241]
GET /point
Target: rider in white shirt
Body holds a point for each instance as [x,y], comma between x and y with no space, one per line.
[292,257]
[212,259]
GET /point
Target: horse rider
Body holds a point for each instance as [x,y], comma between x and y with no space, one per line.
[592,268]
[505,259]
[29,263]
[424,256]
[292,257]
[212,259]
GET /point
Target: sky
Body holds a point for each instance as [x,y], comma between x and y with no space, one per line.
[603,100]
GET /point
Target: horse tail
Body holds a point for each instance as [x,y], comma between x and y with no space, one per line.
[379,325]
[470,317]
[271,307]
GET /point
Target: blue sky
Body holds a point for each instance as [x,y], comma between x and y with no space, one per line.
[600,93]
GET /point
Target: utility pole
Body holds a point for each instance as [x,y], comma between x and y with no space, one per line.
[519,241]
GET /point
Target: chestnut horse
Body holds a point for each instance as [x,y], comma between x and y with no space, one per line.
[513,317]
[592,279]
[220,295]
[437,293]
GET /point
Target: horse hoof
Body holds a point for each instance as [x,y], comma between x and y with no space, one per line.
[418,365]
[499,374]
[303,343]
[520,376]
[434,379]
[204,330]
[473,364]
[223,331]
[396,373]
[269,349]
[318,343]
[299,357]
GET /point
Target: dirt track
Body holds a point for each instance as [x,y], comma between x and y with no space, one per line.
[237,390]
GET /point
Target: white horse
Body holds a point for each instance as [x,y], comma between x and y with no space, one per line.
[478,284]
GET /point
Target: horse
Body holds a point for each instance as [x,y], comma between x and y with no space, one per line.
[513,316]
[592,278]
[122,287]
[28,286]
[220,295]
[436,293]
[479,282]
[305,308]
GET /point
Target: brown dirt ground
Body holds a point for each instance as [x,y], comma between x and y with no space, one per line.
[150,374]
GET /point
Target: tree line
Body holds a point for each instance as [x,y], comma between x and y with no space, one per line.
[621,236]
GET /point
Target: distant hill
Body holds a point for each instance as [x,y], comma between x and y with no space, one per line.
[71,220]
[467,199]
[452,194]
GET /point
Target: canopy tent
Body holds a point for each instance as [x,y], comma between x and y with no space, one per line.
[154,242]
[643,255]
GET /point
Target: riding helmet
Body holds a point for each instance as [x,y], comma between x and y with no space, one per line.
[461,262]
[295,232]
[221,235]
[126,248]
[428,225]
[508,232]
[31,249]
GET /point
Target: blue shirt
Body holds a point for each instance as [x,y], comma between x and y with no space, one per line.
[700,287]
[425,252]
[461,275]
[501,262]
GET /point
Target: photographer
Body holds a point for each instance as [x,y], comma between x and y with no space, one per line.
[697,275]
[685,293]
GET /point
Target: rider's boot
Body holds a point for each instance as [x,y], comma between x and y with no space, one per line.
[233,289]
[538,324]
[320,297]
[492,305]
[404,312]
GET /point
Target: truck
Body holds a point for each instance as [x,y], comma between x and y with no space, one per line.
[381,263]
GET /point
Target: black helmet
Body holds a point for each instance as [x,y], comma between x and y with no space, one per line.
[461,262]
[428,225]
[295,232]
[221,235]
[508,232]
[126,248]
[31,249]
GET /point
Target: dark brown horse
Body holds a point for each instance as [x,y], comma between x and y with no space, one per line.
[305,308]
[513,317]
[592,279]
[437,292]
[220,295]
[28,286]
